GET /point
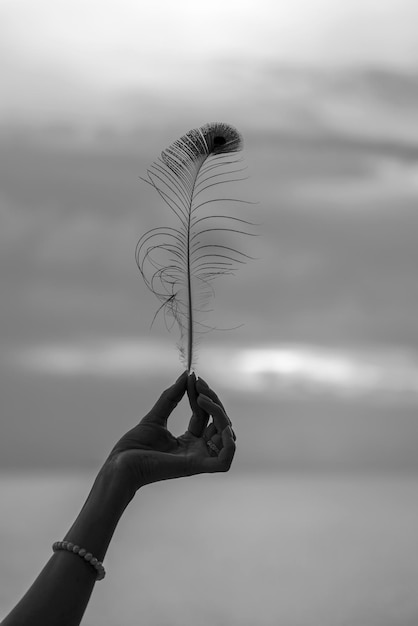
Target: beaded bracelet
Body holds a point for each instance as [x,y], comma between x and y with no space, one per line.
[87,556]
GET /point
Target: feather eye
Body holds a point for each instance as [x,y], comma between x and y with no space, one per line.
[178,263]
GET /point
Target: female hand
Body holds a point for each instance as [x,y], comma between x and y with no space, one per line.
[149,452]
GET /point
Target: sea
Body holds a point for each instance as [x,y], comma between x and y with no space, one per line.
[247,549]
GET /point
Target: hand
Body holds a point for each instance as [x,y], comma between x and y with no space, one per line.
[146,454]
[149,452]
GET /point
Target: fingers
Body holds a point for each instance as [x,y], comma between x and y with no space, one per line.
[167,402]
[210,431]
[222,462]
[219,436]
[220,418]
[200,417]
[204,389]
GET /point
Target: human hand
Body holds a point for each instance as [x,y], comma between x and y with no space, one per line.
[149,452]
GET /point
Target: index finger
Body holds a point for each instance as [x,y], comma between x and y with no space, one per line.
[203,387]
[200,417]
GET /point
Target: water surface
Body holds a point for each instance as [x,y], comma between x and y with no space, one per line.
[255,549]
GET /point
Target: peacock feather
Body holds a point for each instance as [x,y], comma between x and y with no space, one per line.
[179,262]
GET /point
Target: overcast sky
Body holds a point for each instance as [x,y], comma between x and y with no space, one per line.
[326,96]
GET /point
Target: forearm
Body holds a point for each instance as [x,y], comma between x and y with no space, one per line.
[61,592]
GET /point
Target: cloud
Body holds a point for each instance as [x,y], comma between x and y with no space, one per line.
[98,63]
[390,182]
[118,358]
[337,256]
[374,373]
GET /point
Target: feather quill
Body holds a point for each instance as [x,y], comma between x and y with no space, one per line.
[178,263]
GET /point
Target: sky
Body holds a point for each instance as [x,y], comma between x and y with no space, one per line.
[323,370]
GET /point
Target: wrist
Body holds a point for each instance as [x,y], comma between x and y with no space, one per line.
[105,504]
[114,478]
[122,474]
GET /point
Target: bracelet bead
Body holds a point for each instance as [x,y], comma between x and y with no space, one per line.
[82,552]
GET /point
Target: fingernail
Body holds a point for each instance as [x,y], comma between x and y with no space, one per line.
[202,382]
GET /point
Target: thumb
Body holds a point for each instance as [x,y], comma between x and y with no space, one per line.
[167,402]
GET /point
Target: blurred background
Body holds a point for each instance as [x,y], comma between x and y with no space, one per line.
[315,522]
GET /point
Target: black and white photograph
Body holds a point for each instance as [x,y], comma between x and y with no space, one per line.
[208,313]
